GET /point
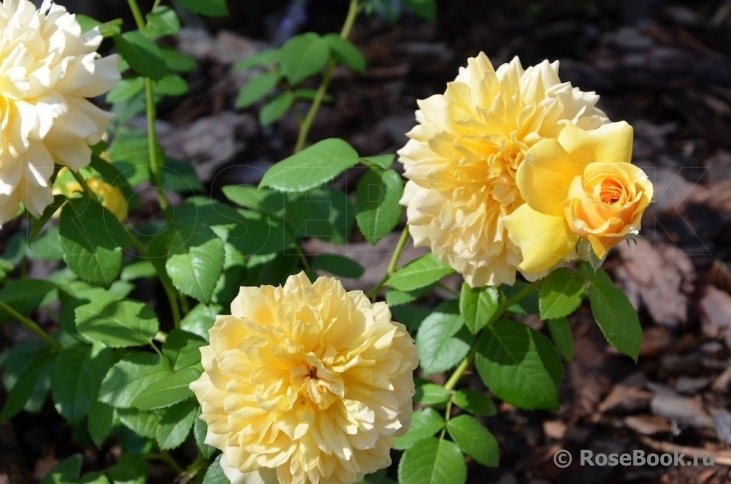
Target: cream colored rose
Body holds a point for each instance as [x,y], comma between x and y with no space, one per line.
[305,383]
[48,68]
[463,155]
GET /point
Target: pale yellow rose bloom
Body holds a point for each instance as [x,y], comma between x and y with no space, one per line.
[578,186]
[305,383]
[462,158]
[48,70]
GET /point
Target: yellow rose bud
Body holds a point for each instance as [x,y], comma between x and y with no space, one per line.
[580,185]
[110,196]
[605,205]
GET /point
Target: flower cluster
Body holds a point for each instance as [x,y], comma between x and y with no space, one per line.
[48,68]
[480,154]
[305,383]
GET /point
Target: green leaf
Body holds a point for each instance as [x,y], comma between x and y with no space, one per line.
[200,319]
[377,203]
[397,298]
[214,474]
[100,422]
[424,424]
[76,378]
[162,21]
[138,270]
[346,52]
[65,472]
[432,461]
[561,293]
[303,56]
[175,425]
[426,9]
[107,29]
[210,8]
[430,394]
[142,423]
[419,273]
[129,469]
[323,212]
[180,176]
[117,324]
[519,365]
[125,89]
[474,440]
[91,239]
[130,376]
[478,306]
[26,383]
[15,362]
[196,261]
[171,85]
[167,392]
[200,430]
[110,174]
[410,315]
[441,343]
[613,312]
[260,199]
[182,349]
[338,265]
[562,337]
[49,212]
[256,89]
[94,478]
[263,58]
[177,61]
[6,267]
[474,402]
[130,155]
[142,54]
[275,108]
[381,161]
[24,295]
[311,167]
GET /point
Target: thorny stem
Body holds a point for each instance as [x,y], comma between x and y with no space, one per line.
[322,90]
[30,326]
[392,265]
[84,186]
[507,304]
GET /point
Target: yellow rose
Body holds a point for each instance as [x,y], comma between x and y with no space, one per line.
[305,383]
[462,158]
[110,196]
[606,204]
[578,186]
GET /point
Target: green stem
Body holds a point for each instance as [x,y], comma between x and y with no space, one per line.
[152,142]
[30,326]
[157,350]
[392,265]
[137,14]
[507,304]
[169,291]
[84,186]
[446,288]
[165,457]
[198,465]
[322,90]
[151,114]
